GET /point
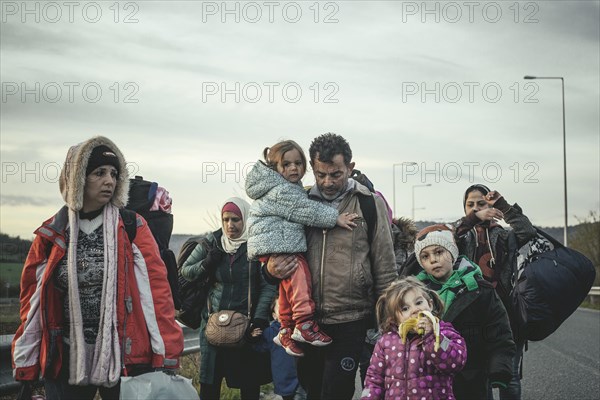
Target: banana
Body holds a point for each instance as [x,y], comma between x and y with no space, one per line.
[435,321]
[411,325]
[406,327]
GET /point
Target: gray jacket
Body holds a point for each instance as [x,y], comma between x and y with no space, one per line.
[280,211]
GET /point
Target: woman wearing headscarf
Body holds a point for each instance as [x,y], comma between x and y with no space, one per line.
[223,258]
[94,306]
[483,240]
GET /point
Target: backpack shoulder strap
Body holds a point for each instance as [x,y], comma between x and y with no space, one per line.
[130,222]
[369,210]
[512,250]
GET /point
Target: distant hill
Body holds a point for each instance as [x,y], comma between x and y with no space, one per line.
[15,249]
[555,232]
[177,240]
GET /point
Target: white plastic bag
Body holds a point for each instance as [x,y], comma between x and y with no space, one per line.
[157,385]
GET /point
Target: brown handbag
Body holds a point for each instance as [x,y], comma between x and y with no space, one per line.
[227,328]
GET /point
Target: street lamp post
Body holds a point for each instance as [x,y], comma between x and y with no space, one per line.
[562,81]
[413,197]
[394,181]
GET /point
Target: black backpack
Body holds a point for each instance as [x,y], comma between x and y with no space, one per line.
[410,267]
[550,282]
[193,295]
[367,203]
[142,194]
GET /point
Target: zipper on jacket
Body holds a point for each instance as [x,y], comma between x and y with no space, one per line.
[321,294]
[126,314]
[406,357]
[44,314]
[230,277]
[45,325]
[476,243]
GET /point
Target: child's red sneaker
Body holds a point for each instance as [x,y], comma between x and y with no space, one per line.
[284,339]
[309,332]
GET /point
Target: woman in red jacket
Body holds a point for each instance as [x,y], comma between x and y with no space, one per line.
[94,306]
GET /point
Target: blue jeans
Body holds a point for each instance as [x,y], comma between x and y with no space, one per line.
[513,391]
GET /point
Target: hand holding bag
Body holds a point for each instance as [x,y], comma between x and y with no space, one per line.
[227,328]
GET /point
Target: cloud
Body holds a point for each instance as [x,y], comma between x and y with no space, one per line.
[9,200]
[369,59]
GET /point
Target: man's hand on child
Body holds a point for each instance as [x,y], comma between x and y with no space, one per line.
[344,220]
[282,266]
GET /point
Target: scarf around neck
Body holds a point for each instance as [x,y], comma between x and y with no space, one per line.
[232,245]
[335,203]
[463,276]
[100,363]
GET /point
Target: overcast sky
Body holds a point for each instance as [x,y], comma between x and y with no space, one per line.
[192,92]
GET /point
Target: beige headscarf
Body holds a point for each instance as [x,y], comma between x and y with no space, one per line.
[231,245]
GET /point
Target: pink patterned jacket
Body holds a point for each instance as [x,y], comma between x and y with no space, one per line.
[413,370]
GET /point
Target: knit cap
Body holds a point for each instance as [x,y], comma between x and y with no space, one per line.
[75,170]
[102,155]
[436,235]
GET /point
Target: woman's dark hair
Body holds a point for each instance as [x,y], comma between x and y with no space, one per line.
[479,187]
[328,146]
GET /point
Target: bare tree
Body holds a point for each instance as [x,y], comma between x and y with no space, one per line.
[586,239]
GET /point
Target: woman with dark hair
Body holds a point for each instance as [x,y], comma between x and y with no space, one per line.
[94,306]
[223,258]
[483,240]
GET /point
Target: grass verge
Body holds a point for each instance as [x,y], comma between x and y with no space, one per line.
[587,304]
[190,367]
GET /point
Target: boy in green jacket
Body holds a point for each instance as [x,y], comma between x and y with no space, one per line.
[473,307]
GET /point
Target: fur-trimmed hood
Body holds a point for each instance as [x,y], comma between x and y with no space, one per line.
[405,233]
[72,176]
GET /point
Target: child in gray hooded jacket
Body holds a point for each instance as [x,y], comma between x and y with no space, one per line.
[276,226]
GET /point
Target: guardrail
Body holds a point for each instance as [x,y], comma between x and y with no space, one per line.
[594,294]
[191,344]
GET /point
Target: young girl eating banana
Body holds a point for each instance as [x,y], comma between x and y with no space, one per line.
[417,355]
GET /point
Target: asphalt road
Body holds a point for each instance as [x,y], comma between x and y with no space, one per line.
[564,366]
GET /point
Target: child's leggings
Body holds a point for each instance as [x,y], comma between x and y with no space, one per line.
[295,296]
